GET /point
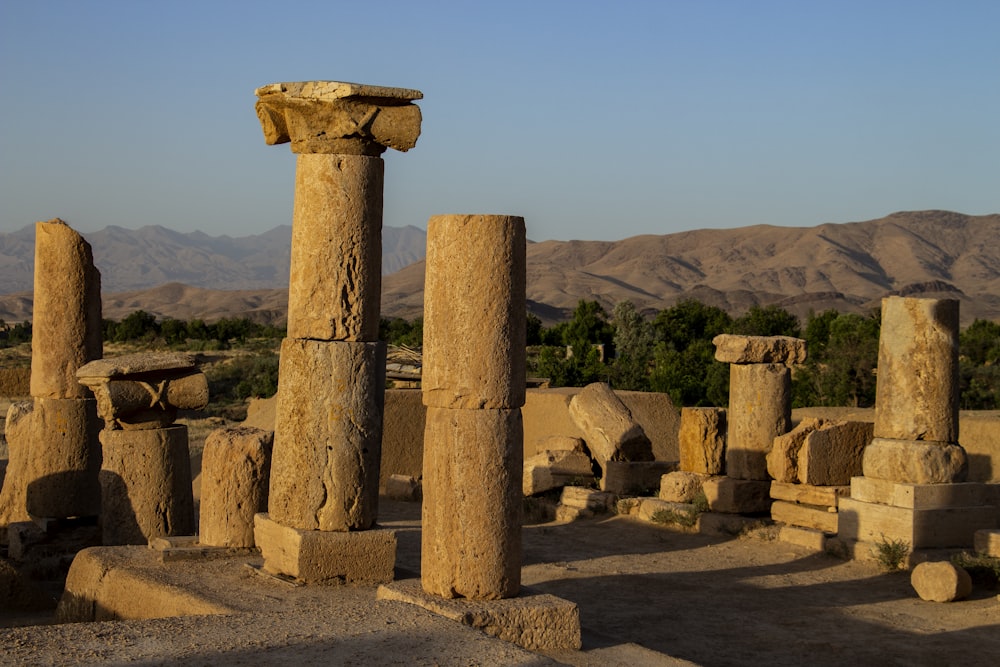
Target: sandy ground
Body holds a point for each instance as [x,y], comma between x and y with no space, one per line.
[647,596]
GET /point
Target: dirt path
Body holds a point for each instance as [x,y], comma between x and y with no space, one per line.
[707,600]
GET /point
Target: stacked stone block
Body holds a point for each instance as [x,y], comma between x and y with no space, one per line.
[54,454]
[760,409]
[328,428]
[145,477]
[702,443]
[812,466]
[235,470]
[473,387]
[913,488]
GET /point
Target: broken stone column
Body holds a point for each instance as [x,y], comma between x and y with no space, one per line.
[473,387]
[145,477]
[912,489]
[54,453]
[760,397]
[235,468]
[328,425]
[917,392]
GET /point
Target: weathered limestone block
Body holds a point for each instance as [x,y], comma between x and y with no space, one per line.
[810,538]
[552,469]
[987,542]
[826,496]
[737,496]
[535,621]
[760,409]
[474,312]
[66,325]
[144,390]
[558,443]
[327,435]
[943,528]
[804,516]
[608,427]
[403,487]
[145,485]
[915,461]
[733,349]
[471,537]
[831,456]
[917,387]
[681,486]
[920,496]
[18,430]
[335,282]
[65,459]
[783,459]
[702,440]
[940,582]
[338,117]
[235,470]
[326,556]
[581,497]
[634,477]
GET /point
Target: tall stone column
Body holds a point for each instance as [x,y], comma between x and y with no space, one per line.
[473,386]
[55,454]
[328,425]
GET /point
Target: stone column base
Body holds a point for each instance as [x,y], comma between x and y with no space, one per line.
[737,496]
[326,557]
[926,516]
[535,621]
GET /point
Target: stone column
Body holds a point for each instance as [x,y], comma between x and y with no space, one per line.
[917,392]
[328,425]
[760,398]
[55,454]
[473,387]
[913,489]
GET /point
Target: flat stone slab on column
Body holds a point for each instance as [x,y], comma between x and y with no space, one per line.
[532,620]
[733,349]
[326,557]
[338,117]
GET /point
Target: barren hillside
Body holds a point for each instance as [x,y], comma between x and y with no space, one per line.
[848,266]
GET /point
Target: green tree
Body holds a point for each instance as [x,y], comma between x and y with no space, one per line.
[767,321]
[690,320]
[139,325]
[839,371]
[633,341]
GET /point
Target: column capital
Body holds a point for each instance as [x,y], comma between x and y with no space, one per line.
[339,117]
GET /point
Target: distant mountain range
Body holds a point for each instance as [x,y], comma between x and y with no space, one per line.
[848,266]
[138,259]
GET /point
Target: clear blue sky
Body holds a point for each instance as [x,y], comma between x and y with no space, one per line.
[594,120]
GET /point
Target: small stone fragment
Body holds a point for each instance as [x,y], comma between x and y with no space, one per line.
[940,582]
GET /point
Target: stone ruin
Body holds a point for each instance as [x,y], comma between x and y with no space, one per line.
[306,496]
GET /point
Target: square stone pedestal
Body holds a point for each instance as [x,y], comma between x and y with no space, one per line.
[326,557]
[926,516]
[532,620]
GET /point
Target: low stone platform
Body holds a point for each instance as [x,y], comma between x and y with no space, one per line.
[325,557]
[532,620]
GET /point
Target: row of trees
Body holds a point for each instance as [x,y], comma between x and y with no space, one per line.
[673,353]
